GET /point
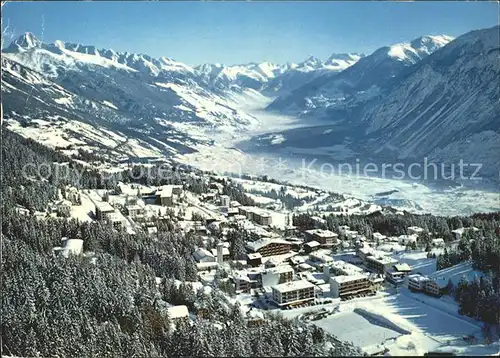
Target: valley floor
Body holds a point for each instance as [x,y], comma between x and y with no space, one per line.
[224,157]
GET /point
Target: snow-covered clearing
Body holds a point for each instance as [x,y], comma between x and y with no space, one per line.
[455,273]
[259,199]
[352,327]
[430,327]
[296,192]
[85,211]
[418,261]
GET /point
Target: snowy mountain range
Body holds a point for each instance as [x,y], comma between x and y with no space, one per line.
[433,96]
[140,99]
[270,78]
[363,79]
[152,102]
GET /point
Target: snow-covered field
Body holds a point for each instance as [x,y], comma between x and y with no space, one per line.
[382,321]
[352,327]
[85,211]
[418,261]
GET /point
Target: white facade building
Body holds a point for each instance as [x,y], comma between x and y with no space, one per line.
[293,293]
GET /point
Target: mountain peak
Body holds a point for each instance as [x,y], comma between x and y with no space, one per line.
[430,42]
[417,49]
[346,56]
[24,42]
[312,59]
[310,64]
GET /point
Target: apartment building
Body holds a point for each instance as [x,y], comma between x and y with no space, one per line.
[346,286]
[340,268]
[324,237]
[116,220]
[226,255]
[254,318]
[380,264]
[311,246]
[263,219]
[254,259]
[72,194]
[432,288]
[134,210]
[225,200]
[276,275]
[258,215]
[243,283]
[417,282]
[269,247]
[293,293]
[164,196]
[319,258]
[103,210]
[394,276]
[375,260]
[363,252]
[177,189]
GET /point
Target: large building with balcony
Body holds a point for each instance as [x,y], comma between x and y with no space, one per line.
[260,216]
[375,260]
[276,275]
[293,293]
[380,264]
[340,268]
[345,286]
[269,247]
[432,288]
[324,237]
[417,282]
[103,210]
[164,196]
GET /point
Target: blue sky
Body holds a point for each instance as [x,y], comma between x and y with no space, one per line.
[240,32]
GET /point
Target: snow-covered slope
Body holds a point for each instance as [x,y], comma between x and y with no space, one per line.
[359,81]
[168,106]
[38,108]
[153,99]
[446,107]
